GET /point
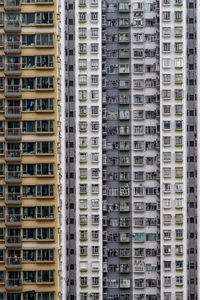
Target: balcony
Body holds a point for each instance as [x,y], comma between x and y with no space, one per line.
[139,268]
[12,26]
[13,91]
[13,177]
[13,112]
[13,155]
[13,241]
[12,47]
[13,198]
[13,134]
[13,69]
[13,263]
[14,284]
[13,220]
[12,5]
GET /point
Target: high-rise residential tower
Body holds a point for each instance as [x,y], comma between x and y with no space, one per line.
[132,149]
[29,150]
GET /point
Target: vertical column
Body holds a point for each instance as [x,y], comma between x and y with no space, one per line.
[88,80]
[70,159]
[30,150]
[192,212]
[173,152]
[116,87]
[145,148]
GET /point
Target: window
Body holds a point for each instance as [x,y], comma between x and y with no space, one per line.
[82,17]
[82,32]
[94,48]
[28,18]
[44,82]
[44,18]
[45,276]
[83,203]
[46,295]
[28,40]
[28,126]
[28,61]
[45,233]
[95,250]
[166,156]
[82,64]
[45,126]
[94,32]
[82,48]
[45,212]
[82,79]
[29,276]
[179,280]
[94,79]
[29,233]
[44,61]
[94,64]
[29,212]
[95,219]
[44,39]
[94,16]
[94,95]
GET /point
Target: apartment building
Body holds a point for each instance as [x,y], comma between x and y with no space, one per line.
[29,150]
[131,149]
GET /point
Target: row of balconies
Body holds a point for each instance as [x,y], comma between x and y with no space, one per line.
[17,219]
[146,252]
[121,8]
[13,47]
[16,90]
[121,38]
[120,22]
[121,146]
[16,68]
[12,5]
[121,176]
[115,283]
[13,112]
[122,207]
[17,295]
[15,134]
[119,268]
[12,193]
[15,5]
[17,241]
[17,284]
[122,53]
[115,84]
[121,99]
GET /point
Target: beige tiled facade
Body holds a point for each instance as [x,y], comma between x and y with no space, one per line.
[30,150]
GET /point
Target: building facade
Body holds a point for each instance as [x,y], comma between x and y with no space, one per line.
[30,150]
[131,149]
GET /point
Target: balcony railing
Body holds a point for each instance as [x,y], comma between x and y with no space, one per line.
[13,176]
[13,111]
[139,268]
[13,68]
[12,25]
[13,198]
[13,155]
[14,284]
[12,47]
[14,241]
[12,4]
[13,90]
[13,219]
[13,134]
[13,262]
